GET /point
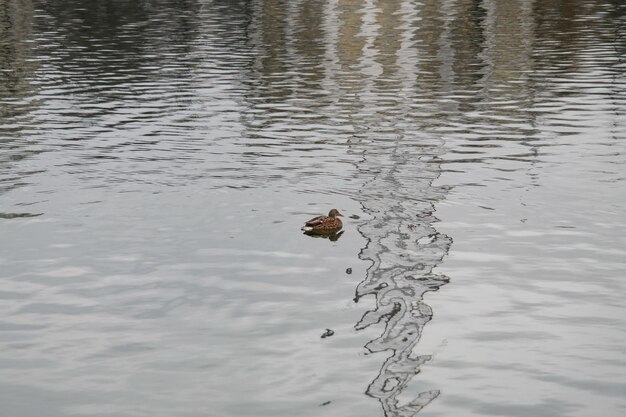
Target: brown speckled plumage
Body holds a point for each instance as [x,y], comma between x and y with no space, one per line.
[330,223]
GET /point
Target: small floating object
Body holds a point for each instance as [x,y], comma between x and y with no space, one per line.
[348,271]
[324,224]
[327,333]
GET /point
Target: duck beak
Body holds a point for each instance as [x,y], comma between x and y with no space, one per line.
[339,214]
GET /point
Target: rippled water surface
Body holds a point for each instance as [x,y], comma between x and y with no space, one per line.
[157,159]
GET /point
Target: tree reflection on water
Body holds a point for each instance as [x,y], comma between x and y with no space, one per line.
[404,248]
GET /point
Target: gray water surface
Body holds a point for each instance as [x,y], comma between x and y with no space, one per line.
[157,159]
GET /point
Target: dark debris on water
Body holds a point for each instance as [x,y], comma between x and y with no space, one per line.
[327,333]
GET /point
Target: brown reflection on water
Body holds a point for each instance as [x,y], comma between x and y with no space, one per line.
[16,21]
[16,91]
[350,40]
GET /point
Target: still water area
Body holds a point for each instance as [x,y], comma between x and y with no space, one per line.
[158,157]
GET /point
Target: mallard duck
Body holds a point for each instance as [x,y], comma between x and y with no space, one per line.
[324,224]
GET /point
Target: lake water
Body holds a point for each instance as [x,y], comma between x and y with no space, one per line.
[157,159]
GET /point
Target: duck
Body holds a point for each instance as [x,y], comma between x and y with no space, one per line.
[324,224]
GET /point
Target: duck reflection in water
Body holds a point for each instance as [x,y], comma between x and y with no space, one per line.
[333,237]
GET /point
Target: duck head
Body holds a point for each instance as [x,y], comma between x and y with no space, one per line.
[334,213]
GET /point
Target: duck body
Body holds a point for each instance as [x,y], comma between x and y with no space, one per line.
[324,224]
